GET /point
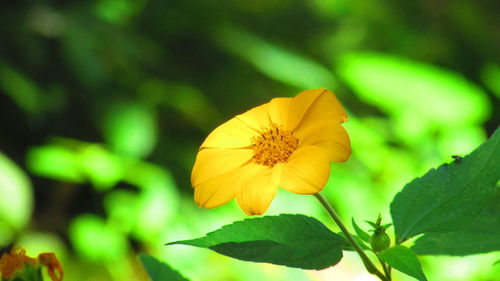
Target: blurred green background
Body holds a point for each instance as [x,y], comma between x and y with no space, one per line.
[103,105]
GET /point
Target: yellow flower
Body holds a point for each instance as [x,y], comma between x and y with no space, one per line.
[287,143]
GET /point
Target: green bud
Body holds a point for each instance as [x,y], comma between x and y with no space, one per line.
[380,241]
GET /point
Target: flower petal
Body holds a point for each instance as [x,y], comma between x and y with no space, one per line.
[306,172]
[221,189]
[257,192]
[329,135]
[212,162]
[232,134]
[324,106]
[278,110]
[256,118]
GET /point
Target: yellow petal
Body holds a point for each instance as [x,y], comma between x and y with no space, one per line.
[221,189]
[232,134]
[256,118]
[278,111]
[312,106]
[212,162]
[306,172]
[329,135]
[257,192]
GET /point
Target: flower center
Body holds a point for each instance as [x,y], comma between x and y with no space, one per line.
[273,145]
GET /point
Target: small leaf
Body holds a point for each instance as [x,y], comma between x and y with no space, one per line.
[361,234]
[348,247]
[482,236]
[448,198]
[289,240]
[404,260]
[374,225]
[159,271]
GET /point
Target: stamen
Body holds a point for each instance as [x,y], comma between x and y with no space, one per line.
[274,145]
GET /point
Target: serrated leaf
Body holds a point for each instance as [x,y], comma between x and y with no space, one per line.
[482,236]
[361,233]
[448,198]
[159,271]
[404,260]
[289,240]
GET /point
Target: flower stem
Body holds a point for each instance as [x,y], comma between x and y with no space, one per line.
[367,262]
[385,267]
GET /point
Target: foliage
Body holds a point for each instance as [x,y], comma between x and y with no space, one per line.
[404,260]
[103,105]
[450,197]
[290,240]
[441,202]
[159,271]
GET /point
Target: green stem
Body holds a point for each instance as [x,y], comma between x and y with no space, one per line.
[385,267]
[367,262]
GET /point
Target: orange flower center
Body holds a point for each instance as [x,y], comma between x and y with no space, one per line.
[273,145]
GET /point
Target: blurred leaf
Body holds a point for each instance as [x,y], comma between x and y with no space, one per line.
[404,260]
[186,99]
[425,91]
[450,197]
[36,242]
[159,271]
[289,240]
[95,240]
[361,233]
[21,90]
[490,74]
[460,140]
[482,236]
[130,129]
[54,162]
[277,62]
[157,201]
[118,11]
[16,200]
[103,168]
[121,208]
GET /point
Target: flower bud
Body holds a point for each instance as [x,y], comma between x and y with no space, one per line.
[380,241]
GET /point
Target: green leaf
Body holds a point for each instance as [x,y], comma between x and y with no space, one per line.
[16,199]
[289,240]
[97,241]
[130,129]
[404,260]
[482,236]
[23,91]
[159,271]
[54,162]
[448,198]
[361,233]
